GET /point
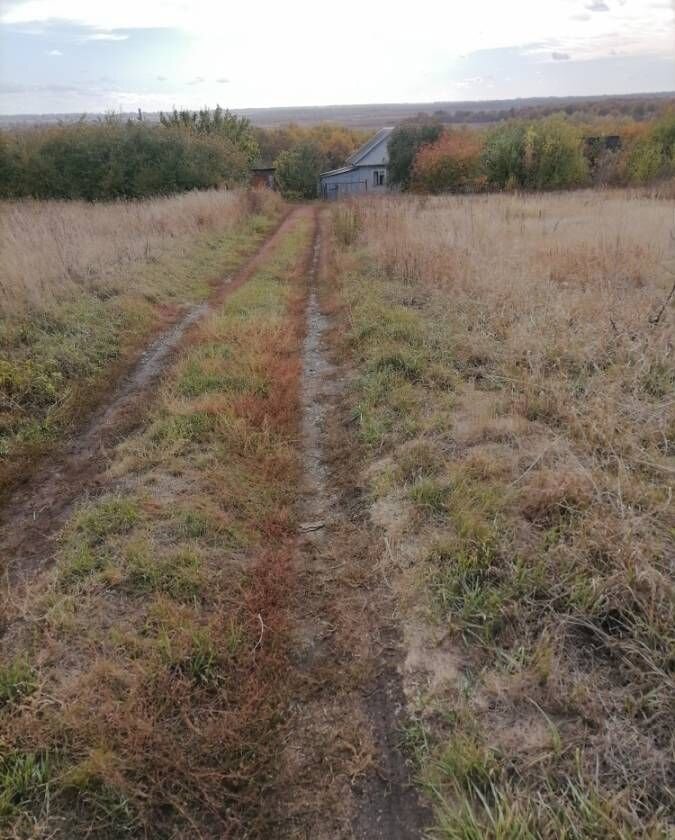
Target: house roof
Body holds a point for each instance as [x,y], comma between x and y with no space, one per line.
[378,138]
[339,171]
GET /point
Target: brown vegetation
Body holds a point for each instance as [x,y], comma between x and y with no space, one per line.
[516,398]
[84,286]
[140,689]
[56,250]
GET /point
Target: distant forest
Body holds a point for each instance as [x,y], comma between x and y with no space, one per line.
[372,116]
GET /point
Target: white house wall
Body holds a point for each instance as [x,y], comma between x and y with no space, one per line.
[358,180]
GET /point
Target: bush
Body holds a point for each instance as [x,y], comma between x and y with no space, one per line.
[503,158]
[217,123]
[298,169]
[111,160]
[644,162]
[663,135]
[543,154]
[452,163]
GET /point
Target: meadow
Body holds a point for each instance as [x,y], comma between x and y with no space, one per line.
[513,397]
[432,597]
[84,286]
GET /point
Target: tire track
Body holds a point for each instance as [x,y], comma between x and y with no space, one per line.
[35,513]
[365,791]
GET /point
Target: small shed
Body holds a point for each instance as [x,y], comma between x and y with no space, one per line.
[365,170]
[262,174]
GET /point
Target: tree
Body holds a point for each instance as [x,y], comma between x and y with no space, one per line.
[404,143]
[452,163]
[540,154]
[553,154]
[297,170]
[219,122]
[503,156]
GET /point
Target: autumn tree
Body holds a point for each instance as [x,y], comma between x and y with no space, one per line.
[404,143]
[453,163]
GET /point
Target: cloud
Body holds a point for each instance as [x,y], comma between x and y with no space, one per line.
[597,6]
[222,81]
[560,56]
[583,16]
[161,78]
[106,36]
[54,52]
[476,81]
[198,80]
[50,89]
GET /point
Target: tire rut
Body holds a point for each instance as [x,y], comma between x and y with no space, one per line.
[35,513]
[367,795]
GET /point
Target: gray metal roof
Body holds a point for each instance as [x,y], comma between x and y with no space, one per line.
[338,171]
[360,153]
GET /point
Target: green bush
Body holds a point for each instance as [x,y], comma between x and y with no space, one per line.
[298,169]
[645,161]
[111,160]
[503,158]
[542,154]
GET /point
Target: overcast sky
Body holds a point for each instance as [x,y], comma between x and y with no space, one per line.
[97,55]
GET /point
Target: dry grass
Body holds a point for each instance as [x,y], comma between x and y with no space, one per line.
[84,285]
[518,404]
[142,692]
[52,250]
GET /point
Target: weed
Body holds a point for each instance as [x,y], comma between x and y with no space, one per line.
[115,515]
[24,780]
[17,680]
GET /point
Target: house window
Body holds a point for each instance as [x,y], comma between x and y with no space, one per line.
[378,177]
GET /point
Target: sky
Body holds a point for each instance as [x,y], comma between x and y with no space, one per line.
[81,56]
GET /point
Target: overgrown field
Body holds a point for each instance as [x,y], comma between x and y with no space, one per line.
[140,694]
[513,397]
[83,286]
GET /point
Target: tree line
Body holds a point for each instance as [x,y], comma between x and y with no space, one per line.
[542,154]
[186,150]
[133,159]
[214,148]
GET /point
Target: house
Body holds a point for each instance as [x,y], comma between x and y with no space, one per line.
[365,170]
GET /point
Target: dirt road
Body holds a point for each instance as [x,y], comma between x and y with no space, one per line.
[32,517]
[342,774]
[347,775]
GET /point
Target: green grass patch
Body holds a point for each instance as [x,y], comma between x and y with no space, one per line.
[17,680]
[24,781]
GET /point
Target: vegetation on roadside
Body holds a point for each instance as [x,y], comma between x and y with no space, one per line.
[514,390]
[84,286]
[109,160]
[153,702]
[300,155]
[550,153]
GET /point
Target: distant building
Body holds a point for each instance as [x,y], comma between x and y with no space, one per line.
[604,142]
[262,175]
[365,171]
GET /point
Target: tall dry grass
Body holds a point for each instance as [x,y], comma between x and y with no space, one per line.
[52,249]
[556,292]
[517,372]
